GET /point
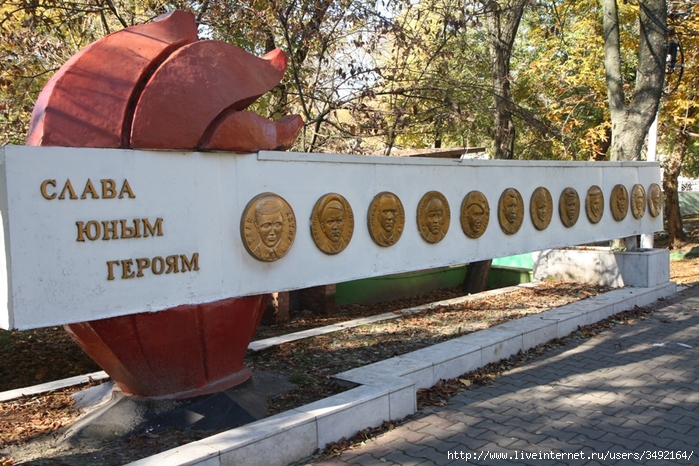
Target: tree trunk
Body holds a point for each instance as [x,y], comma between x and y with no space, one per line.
[502,23]
[671,171]
[476,278]
[631,121]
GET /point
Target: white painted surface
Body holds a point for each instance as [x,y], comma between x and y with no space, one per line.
[641,268]
[54,279]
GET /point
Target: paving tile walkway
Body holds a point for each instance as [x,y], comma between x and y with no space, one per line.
[631,393]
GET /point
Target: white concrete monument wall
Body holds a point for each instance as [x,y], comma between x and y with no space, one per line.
[95,233]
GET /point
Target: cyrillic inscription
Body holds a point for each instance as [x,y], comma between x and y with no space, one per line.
[107,190]
[119,229]
[105,230]
[137,268]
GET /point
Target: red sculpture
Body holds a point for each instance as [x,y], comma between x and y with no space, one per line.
[155,86]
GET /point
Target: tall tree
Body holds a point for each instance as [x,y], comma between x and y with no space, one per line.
[632,116]
[502,20]
[679,115]
[672,168]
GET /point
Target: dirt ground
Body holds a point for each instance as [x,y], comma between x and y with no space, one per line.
[30,426]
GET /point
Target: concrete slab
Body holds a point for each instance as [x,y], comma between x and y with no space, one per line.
[448,359]
[534,329]
[186,455]
[401,391]
[567,321]
[286,440]
[496,343]
[346,413]
[419,371]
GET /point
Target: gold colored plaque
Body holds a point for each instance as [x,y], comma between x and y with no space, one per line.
[638,201]
[655,200]
[619,202]
[475,214]
[569,207]
[594,204]
[332,223]
[386,219]
[268,227]
[541,208]
[433,216]
[510,211]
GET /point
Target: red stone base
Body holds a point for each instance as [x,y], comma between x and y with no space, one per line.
[181,352]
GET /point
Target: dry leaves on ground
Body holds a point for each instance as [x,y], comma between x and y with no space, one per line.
[30,417]
[440,394]
[310,363]
[31,357]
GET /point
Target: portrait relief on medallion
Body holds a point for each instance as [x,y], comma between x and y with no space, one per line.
[638,201]
[569,207]
[475,214]
[386,219]
[268,227]
[594,204]
[541,208]
[510,211]
[433,216]
[619,202]
[655,200]
[332,223]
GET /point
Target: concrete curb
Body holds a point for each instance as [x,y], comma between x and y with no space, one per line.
[51,386]
[388,387]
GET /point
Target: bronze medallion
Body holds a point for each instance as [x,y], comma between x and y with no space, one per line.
[569,207]
[332,223]
[386,219]
[475,214]
[594,204]
[541,208]
[268,227]
[510,211]
[433,217]
[619,202]
[655,200]
[638,201]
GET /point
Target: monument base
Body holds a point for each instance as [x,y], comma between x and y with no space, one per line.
[110,414]
[181,352]
[643,268]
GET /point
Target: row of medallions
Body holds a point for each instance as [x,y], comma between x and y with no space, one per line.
[268,225]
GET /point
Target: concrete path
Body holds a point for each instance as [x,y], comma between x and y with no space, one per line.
[627,396]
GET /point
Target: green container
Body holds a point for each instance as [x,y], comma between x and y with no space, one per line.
[404,285]
[407,285]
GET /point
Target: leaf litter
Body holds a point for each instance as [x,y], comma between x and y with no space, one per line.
[309,363]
